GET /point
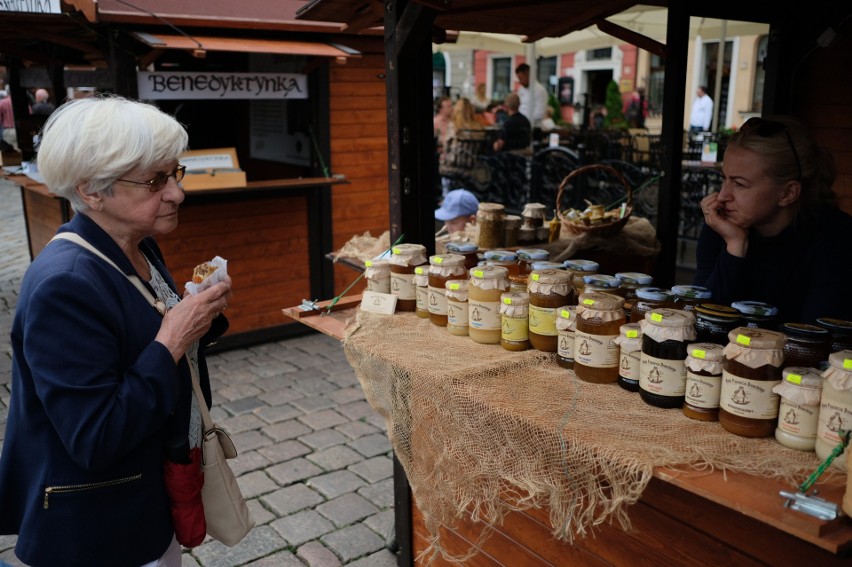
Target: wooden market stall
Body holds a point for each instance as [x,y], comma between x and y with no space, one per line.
[313,153]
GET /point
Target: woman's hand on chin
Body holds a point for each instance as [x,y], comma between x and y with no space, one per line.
[735,236]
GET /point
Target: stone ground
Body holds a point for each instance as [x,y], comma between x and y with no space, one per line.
[314,461]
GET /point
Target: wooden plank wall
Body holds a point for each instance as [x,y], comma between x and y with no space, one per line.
[359,149]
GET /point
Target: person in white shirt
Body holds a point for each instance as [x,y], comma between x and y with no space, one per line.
[702,112]
[533,99]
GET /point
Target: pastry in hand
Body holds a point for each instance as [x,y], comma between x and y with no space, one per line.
[202,272]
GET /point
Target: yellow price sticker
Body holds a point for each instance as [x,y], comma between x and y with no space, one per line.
[588,302]
[478,273]
[632,334]
[847,364]
[368,263]
[437,259]
[794,378]
[566,313]
[420,270]
[396,250]
[698,353]
[507,300]
[744,340]
[455,286]
[535,277]
[656,317]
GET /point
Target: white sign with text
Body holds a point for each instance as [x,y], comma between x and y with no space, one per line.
[31,6]
[155,85]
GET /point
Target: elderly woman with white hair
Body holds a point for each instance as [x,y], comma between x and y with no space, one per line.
[101,380]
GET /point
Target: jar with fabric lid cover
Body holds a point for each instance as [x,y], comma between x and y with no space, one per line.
[629,283]
[457,310]
[665,335]
[835,408]
[421,288]
[840,331]
[566,326]
[504,258]
[704,362]
[377,274]
[806,345]
[404,258]
[486,285]
[629,341]
[491,223]
[548,291]
[469,250]
[713,322]
[529,256]
[515,318]
[686,297]
[650,298]
[578,269]
[533,215]
[599,320]
[442,268]
[798,413]
[601,282]
[753,359]
[758,314]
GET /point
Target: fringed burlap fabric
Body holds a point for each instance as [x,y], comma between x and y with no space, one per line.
[481,430]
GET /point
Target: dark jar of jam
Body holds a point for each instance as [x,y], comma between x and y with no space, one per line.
[753,359]
[806,345]
[566,327]
[649,298]
[713,322]
[662,376]
[629,283]
[686,297]
[840,330]
[758,314]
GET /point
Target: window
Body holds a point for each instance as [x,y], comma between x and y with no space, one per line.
[656,83]
[759,75]
[599,54]
[546,72]
[501,71]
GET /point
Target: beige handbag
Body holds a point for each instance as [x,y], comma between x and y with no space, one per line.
[225,510]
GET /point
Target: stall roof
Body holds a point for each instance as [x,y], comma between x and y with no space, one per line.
[245,45]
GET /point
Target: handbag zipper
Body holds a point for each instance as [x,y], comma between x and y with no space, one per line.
[88,486]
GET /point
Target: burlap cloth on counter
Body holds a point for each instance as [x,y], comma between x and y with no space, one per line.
[477,427]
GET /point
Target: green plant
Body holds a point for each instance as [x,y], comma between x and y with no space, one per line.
[614,107]
[553,103]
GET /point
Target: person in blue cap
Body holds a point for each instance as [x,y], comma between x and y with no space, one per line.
[458,208]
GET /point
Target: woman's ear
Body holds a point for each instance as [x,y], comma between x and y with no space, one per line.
[790,194]
[93,200]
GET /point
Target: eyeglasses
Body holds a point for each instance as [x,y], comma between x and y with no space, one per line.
[159,182]
[769,128]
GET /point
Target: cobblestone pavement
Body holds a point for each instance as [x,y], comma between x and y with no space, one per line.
[314,460]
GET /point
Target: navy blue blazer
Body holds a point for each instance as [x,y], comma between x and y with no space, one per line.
[93,399]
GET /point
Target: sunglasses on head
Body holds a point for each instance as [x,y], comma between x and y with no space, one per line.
[769,128]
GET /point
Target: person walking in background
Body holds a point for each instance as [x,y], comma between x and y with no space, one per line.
[441,121]
[462,117]
[42,105]
[533,98]
[701,115]
[101,379]
[516,132]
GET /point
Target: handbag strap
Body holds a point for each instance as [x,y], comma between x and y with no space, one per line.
[157,304]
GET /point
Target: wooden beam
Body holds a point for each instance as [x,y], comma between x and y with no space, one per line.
[632,37]
[584,17]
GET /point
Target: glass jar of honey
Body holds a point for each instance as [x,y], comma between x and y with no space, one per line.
[713,322]
[547,265]
[630,356]
[469,250]
[704,362]
[528,256]
[421,289]
[442,268]
[648,299]
[377,274]
[518,283]
[601,282]
[798,413]
[753,358]
[758,314]
[548,291]
[629,282]
[566,326]
[513,230]
[578,269]
[487,284]
[515,317]
[404,258]
[491,225]
[666,333]
[806,345]
[533,215]
[840,331]
[504,258]
[457,309]
[599,320]
[686,297]
[835,408]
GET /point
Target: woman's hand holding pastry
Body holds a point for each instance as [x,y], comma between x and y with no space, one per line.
[191,318]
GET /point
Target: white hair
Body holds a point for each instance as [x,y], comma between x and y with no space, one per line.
[94,141]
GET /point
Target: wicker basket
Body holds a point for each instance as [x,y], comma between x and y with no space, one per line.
[602,229]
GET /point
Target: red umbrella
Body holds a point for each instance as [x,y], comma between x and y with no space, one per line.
[183,483]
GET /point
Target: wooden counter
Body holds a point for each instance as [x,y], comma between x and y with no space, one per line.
[683,517]
[273,233]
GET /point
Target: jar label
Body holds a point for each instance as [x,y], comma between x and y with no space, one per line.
[630,364]
[437,301]
[798,420]
[543,321]
[834,417]
[402,285]
[515,329]
[457,314]
[662,376]
[703,391]
[379,285]
[596,351]
[753,399]
[484,315]
[422,298]
[565,345]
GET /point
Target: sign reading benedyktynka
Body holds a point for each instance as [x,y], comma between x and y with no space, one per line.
[31,6]
[154,85]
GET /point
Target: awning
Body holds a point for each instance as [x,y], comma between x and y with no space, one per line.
[245,45]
